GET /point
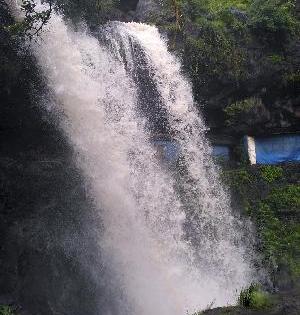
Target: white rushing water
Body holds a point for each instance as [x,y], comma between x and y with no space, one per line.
[171,241]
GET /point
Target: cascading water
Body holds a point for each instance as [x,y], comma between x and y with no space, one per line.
[170,241]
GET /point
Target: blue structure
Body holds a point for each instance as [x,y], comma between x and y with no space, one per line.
[221,151]
[169,149]
[274,149]
[277,149]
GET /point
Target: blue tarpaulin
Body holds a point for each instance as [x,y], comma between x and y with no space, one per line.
[169,149]
[221,151]
[277,149]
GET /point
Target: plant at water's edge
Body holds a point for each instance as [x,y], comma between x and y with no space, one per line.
[271,198]
[6,310]
[254,297]
[280,239]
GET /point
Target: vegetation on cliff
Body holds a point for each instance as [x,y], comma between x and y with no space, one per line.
[270,195]
[6,310]
[237,50]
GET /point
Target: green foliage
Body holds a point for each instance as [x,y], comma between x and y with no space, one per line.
[254,297]
[270,228]
[6,310]
[240,181]
[215,8]
[239,177]
[285,199]
[218,36]
[270,173]
[293,77]
[291,80]
[275,58]
[33,21]
[94,12]
[273,20]
[280,239]
[213,54]
[217,5]
[265,194]
[237,110]
[269,19]
[218,14]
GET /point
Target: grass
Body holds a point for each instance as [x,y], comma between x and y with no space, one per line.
[254,297]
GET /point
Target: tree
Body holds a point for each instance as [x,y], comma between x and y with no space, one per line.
[33,22]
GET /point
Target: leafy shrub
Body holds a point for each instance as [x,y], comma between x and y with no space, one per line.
[33,22]
[291,80]
[238,179]
[270,229]
[236,111]
[273,20]
[285,198]
[270,173]
[214,7]
[293,77]
[201,56]
[264,203]
[254,297]
[6,310]
[280,240]
[275,59]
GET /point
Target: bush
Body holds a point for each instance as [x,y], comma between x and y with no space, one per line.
[271,173]
[273,20]
[285,199]
[280,240]
[254,297]
[236,111]
[6,310]
[275,59]
[266,195]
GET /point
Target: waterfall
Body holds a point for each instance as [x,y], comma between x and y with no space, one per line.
[170,240]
